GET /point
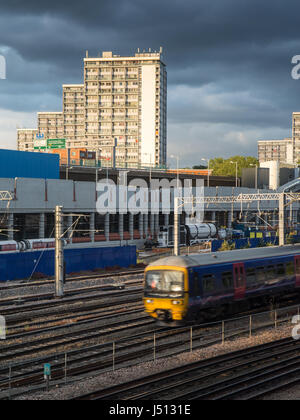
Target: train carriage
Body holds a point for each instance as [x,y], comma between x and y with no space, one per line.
[198,287]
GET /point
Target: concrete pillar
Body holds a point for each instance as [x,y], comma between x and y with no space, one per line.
[213,217]
[42,226]
[92,227]
[229,219]
[152,228]
[10,226]
[156,224]
[131,225]
[106,226]
[121,226]
[274,219]
[141,225]
[146,224]
[166,220]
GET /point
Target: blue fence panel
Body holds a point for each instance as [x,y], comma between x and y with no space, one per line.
[22,265]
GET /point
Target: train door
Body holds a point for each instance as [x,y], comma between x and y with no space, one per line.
[239,281]
[297,270]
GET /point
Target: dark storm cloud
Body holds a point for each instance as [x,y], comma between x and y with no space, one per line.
[229,61]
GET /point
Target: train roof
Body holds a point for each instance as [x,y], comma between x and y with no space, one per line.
[219,257]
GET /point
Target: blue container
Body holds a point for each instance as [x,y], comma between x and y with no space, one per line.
[16,164]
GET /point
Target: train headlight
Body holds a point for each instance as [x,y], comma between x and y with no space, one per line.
[176,302]
[149,301]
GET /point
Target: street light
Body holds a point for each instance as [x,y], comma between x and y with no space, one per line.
[236,173]
[208,161]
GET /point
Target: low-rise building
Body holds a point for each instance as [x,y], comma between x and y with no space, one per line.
[276,150]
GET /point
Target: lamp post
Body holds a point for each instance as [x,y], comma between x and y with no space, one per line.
[236,173]
[208,162]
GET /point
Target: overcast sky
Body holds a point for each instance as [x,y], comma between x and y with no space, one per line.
[228,61]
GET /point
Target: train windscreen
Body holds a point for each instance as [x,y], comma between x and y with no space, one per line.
[164,284]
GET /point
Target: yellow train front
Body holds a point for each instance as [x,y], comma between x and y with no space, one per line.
[202,287]
[166,291]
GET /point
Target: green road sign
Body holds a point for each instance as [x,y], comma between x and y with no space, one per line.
[40,145]
[56,144]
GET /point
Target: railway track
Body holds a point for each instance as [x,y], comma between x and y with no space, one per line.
[41,327]
[70,279]
[98,358]
[82,361]
[18,310]
[23,299]
[87,332]
[244,374]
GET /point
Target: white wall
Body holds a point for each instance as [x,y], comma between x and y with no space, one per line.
[274,168]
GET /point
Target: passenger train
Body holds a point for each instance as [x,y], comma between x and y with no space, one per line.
[199,287]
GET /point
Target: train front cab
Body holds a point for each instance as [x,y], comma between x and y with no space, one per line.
[166,293]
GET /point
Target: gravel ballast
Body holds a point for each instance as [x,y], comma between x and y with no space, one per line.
[108,379]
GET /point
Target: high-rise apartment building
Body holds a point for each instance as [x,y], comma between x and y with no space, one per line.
[296,136]
[120,110]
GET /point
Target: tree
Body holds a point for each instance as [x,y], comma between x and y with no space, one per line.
[224,167]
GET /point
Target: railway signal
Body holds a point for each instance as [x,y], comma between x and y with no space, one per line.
[47,374]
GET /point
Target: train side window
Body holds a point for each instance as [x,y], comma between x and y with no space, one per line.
[280,270]
[208,283]
[227,280]
[196,285]
[271,272]
[260,274]
[290,268]
[250,275]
